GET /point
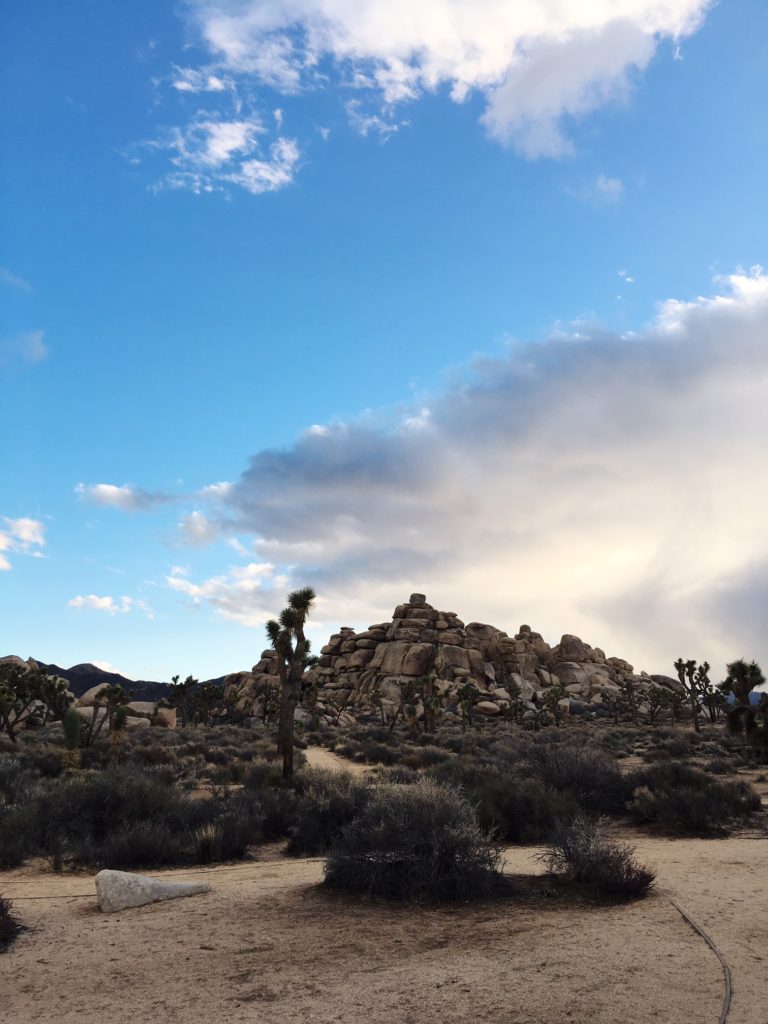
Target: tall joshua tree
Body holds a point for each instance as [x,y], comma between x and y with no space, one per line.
[286,635]
[742,679]
[695,680]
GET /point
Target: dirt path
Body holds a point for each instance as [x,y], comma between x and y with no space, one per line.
[320,757]
[721,883]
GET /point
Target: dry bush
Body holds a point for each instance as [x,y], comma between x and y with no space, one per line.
[419,842]
[580,853]
[678,798]
[329,801]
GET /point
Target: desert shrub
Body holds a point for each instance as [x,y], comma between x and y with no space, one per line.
[720,765]
[419,842]
[263,775]
[581,853]
[593,777]
[12,849]
[46,762]
[155,754]
[329,801]
[394,775]
[279,811]
[14,780]
[676,797]
[146,844]
[517,809]
[424,756]
[9,925]
[231,834]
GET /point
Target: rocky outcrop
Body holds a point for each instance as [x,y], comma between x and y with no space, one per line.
[120,890]
[369,669]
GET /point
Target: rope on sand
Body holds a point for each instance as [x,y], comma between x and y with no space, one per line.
[726,969]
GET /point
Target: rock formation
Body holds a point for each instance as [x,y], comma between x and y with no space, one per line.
[368,669]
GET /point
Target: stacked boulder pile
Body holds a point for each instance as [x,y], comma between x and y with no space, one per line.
[362,671]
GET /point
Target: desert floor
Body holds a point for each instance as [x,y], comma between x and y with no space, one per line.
[268,945]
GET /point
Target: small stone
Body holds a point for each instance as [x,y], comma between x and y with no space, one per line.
[417,600]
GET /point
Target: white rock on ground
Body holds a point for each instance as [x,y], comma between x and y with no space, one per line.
[118,890]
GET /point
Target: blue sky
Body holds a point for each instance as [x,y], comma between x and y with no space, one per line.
[446,270]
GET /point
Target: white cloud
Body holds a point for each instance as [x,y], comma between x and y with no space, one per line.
[536,64]
[243,594]
[197,530]
[195,80]
[27,347]
[214,151]
[216,491]
[10,280]
[107,666]
[626,276]
[125,497]
[22,536]
[580,483]
[110,605]
[257,176]
[610,190]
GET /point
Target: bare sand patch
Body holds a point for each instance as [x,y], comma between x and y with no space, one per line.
[268,945]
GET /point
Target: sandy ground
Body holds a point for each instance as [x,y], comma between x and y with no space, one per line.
[267,945]
[320,757]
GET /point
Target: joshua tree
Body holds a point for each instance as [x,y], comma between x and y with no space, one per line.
[674,702]
[742,679]
[108,700]
[695,680]
[631,698]
[657,701]
[181,697]
[552,697]
[26,693]
[286,635]
[468,695]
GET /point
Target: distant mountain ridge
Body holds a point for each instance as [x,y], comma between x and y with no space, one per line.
[86,675]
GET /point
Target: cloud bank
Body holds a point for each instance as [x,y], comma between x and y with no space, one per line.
[538,67]
[609,485]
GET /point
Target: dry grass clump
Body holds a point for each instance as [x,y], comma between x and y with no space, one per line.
[580,853]
[417,842]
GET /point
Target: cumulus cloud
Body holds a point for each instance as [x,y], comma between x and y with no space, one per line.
[537,65]
[604,484]
[27,347]
[135,499]
[243,594]
[125,497]
[110,605]
[216,149]
[197,530]
[22,536]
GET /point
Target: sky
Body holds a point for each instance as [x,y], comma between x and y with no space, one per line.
[464,297]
